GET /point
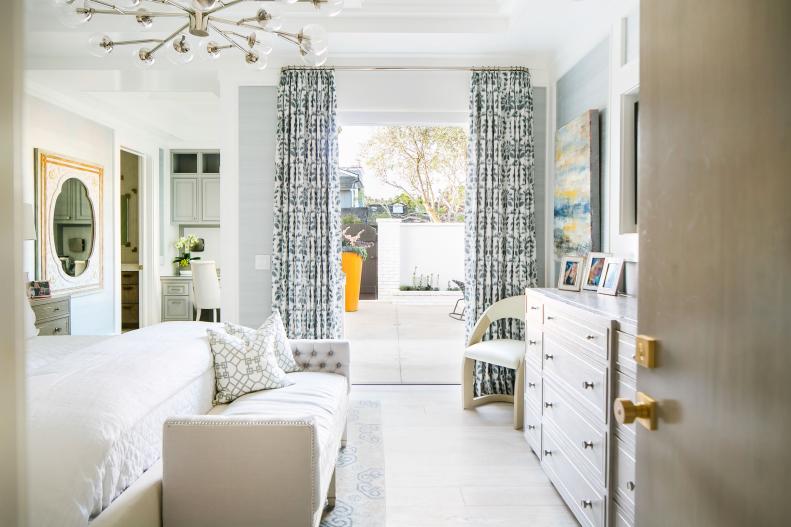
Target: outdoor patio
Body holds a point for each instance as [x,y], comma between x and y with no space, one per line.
[400,343]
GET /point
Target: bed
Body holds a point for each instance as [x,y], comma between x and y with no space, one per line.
[96,407]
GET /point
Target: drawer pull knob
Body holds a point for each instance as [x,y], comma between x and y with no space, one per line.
[547,452]
[531,385]
[547,356]
[56,330]
[587,385]
[590,337]
[548,405]
[550,317]
[531,427]
[587,444]
[532,342]
[630,485]
[56,309]
[586,504]
[534,308]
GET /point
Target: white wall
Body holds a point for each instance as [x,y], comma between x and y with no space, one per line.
[434,248]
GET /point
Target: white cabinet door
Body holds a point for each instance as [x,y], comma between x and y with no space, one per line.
[210,199]
[184,200]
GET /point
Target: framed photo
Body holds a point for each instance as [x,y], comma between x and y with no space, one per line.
[38,289]
[594,270]
[571,273]
[611,276]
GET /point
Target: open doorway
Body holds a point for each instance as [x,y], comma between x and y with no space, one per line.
[130,239]
[402,210]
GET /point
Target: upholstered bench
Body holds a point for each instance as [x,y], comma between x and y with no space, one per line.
[267,458]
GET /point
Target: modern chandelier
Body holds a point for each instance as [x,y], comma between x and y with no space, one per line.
[204,29]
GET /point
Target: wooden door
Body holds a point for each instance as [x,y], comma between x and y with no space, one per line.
[715,257]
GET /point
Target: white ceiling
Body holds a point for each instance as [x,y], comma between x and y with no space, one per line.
[537,33]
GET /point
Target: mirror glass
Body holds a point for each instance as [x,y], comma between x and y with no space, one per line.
[74,227]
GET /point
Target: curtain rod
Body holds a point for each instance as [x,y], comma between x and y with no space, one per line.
[410,68]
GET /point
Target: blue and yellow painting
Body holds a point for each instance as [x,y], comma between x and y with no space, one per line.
[576,186]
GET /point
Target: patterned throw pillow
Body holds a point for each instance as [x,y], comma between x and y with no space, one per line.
[272,328]
[242,366]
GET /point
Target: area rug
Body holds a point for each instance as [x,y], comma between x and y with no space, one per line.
[360,476]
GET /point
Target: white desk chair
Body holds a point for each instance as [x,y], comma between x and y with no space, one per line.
[508,353]
[205,287]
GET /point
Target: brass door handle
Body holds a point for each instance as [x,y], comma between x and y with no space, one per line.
[643,411]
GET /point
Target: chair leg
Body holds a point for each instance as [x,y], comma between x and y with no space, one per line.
[519,397]
[331,492]
[467,382]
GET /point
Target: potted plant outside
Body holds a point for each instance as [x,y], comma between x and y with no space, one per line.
[185,245]
[354,252]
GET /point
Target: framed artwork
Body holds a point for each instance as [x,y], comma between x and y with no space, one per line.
[571,273]
[594,271]
[576,223]
[38,289]
[611,276]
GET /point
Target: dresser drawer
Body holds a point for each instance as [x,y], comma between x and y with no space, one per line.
[130,277]
[176,308]
[534,310]
[56,327]
[175,289]
[130,313]
[534,347]
[624,388]
[532,429]
[533,388]
[621,518]
[585,379]
[129,294]
[587,333]
[624,481]
[59,308]
[587,504]
[589,442]
[625,352]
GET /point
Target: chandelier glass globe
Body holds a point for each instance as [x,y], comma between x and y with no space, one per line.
[204,5]
[313,39]
[100,45]
[180,50]
[143,58]
[332,7]
[313,59]
[127,4]
[69,16]
[255,61]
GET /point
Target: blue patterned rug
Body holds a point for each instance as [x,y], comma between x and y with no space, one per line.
[360,473]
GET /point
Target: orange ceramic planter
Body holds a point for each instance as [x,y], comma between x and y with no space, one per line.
[352,265]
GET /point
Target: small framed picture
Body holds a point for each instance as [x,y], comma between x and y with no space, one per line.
[38,289]
[594,271]
[611,276]
[571,273]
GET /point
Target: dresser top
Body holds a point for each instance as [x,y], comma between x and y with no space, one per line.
[621,308]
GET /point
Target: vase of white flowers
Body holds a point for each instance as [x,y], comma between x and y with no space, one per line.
[185,245]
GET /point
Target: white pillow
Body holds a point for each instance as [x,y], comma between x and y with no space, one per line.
[272,328]
[30,321]
[242,366]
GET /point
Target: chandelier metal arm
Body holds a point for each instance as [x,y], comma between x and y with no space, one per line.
[172,3]
[168,39]
[152,14]
[141,41]
[229,39]
[251,26]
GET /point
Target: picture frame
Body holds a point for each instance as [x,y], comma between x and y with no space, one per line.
[594,268]
[571,268]
[38,289]
[611,276]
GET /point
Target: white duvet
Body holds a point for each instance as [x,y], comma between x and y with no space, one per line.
[96,414]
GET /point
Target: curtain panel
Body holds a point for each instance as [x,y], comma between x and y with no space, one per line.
[500,238]
[306,272]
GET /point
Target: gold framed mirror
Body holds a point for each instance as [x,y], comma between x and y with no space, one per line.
[70,220]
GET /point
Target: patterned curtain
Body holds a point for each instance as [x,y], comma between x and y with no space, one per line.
[500,238]
[306,285]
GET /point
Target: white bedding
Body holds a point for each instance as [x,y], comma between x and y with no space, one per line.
[96,413]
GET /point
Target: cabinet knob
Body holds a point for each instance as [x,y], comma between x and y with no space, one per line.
[587,385]
[534,308]
[586,504]
[56,330]
[590,337]
[531,385]
[550,317]
[630,485]
[56,309]
[532,342]
[547,452]
[548,405]
[531,427]
[587,444]
[547,356]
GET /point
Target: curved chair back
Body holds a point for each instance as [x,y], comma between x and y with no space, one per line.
[205,285]
[511,307]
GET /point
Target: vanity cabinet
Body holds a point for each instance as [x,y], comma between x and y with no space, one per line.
[571,363]
[195,187]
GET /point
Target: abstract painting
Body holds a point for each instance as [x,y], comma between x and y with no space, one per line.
[576,224]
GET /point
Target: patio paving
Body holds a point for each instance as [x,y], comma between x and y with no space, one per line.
[396,343]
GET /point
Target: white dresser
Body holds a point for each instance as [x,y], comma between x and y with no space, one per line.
[578,358]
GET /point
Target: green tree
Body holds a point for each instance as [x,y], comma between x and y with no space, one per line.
[425,163]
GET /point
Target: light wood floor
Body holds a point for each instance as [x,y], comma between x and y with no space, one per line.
[447,467]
